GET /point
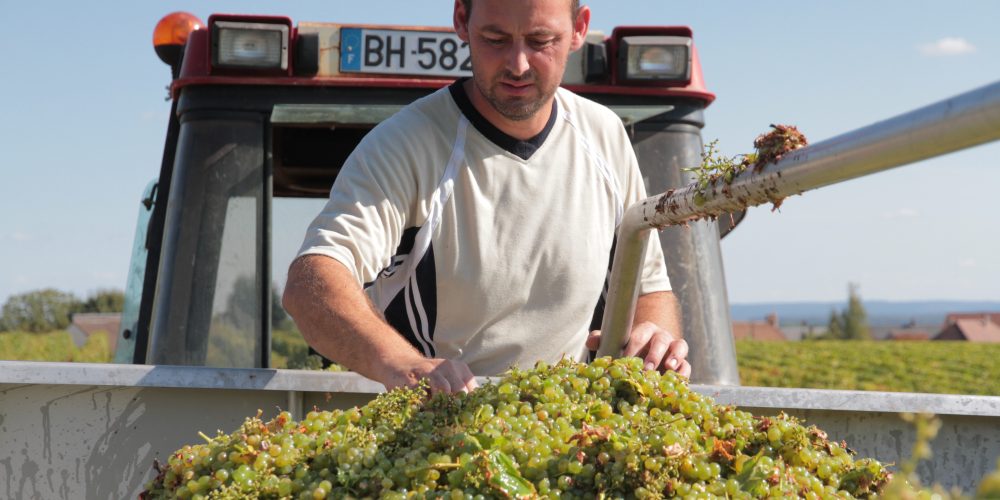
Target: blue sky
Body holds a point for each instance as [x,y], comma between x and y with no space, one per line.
[84,117]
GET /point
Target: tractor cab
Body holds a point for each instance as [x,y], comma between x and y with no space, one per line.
[263,115]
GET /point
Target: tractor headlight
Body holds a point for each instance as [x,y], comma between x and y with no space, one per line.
[250,45]
[664,59]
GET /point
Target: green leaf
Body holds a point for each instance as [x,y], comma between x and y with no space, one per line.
[472,442]
[484,440]
[750,476]
[505,478]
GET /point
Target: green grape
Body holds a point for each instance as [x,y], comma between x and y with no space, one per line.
[568,430]
[989,487]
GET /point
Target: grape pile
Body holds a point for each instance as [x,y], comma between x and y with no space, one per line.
[607,429]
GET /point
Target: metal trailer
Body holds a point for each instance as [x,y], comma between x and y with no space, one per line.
[72,430]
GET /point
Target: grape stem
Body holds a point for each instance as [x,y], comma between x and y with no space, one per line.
[442,466]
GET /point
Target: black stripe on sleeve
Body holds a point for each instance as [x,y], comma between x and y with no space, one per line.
[398,315]
[598,318]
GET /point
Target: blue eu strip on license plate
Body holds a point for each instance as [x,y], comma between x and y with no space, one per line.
[403,52]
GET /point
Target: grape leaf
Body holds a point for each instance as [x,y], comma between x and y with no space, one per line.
[504,477]
[750,476]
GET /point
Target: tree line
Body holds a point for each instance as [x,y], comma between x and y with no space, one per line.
[49,309]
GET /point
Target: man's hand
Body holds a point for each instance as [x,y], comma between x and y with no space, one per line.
[657,347]
[443,375]
[337,319]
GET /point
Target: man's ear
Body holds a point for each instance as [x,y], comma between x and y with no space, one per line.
[580,26]
[460,18]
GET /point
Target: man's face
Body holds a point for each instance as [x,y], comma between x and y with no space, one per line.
[519,50]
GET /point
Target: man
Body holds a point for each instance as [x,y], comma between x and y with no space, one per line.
[472,230]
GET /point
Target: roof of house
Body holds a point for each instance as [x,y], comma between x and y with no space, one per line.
[98,322]
[756,330]
[908,334]
[978,330]
[953,317]
[91,323]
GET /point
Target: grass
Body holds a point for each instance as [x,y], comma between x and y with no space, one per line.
[931,367]
[919,366]
[53,346]
[289,350]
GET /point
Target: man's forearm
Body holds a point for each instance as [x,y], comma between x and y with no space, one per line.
[337,319]
[662,309]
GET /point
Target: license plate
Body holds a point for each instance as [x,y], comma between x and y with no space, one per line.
[403,52]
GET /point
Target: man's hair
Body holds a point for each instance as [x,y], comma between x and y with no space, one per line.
[574,8]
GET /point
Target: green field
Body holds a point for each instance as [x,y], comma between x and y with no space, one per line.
[54,346]
[934,367]
[917,366]
[288,348]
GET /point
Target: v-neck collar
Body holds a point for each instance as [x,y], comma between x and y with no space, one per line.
[523,149]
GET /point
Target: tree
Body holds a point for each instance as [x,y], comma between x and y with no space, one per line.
[242,305]
[39,311]
[852,323]
[855,319]
[279,318]
[835,327]
[104,301]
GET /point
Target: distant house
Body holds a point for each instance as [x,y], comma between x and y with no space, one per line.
[880,332]
[758,330]
[953,317]
[86,324]
[800,331]
[979,329]
[907,334]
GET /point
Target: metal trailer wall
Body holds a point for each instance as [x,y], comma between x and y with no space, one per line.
[70,430]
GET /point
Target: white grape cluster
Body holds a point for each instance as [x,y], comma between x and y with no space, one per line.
[608,429]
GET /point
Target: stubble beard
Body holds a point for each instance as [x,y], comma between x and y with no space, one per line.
[514,108]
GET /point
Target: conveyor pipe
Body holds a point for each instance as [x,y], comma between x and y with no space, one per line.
[960,122]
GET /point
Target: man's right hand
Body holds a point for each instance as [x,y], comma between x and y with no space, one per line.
[443,375]
[337,319]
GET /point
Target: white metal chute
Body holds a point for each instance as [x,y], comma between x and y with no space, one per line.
[960,122]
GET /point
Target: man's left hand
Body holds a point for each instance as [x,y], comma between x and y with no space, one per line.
[657,347]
